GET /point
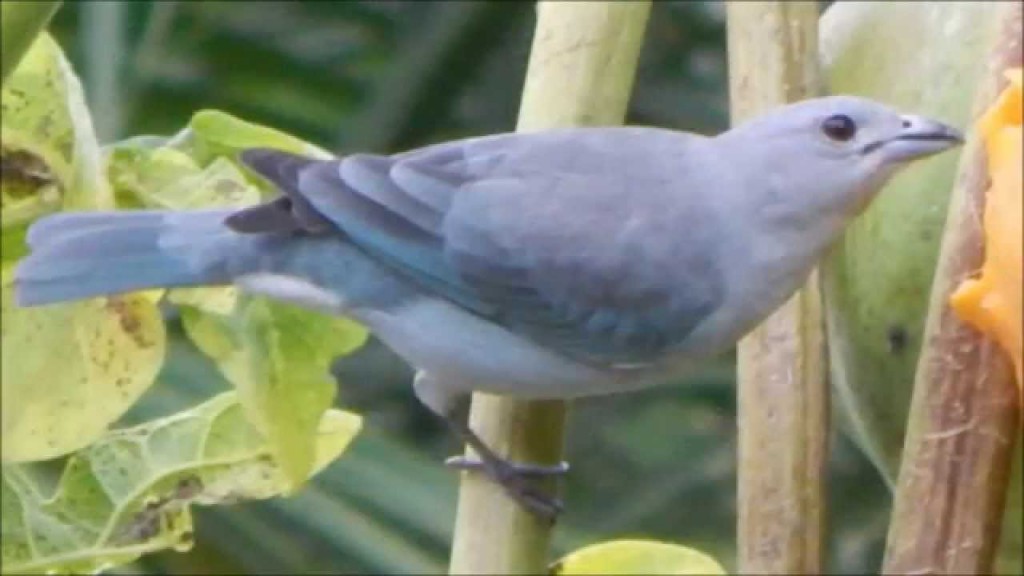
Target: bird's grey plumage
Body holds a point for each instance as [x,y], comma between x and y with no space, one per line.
[585,280]
[552,264]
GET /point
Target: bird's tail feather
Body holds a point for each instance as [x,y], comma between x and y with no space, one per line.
[81,255]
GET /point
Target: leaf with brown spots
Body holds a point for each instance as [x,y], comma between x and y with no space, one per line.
[50,156]
[72,369]
[68,370]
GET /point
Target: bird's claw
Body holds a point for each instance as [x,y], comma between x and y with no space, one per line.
[462,462]
[516,479]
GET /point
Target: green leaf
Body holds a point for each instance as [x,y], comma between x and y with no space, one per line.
[382,508]
[636,557]
[194,169]
[277,356]
[129,493]
[214,133]
[168,178]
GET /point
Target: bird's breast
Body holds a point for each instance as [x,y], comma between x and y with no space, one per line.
[468,353]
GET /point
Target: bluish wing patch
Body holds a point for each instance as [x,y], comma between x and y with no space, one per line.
[385,232]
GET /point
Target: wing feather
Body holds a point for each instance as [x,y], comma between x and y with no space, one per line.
[538,233]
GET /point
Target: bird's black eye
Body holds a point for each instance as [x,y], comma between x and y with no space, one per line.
[839,127]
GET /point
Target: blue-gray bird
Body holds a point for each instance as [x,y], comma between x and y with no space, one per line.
[555,264]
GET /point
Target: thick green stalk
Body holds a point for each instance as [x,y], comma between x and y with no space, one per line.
[20,23]
[783,398]
[951,494]
[581,72]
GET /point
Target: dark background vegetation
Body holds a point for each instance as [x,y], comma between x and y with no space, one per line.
[387,76]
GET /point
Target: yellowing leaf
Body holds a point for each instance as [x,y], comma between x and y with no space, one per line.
[49,146]
[129,493]
[49,150]
[70,370]
[636,557]
[994,302]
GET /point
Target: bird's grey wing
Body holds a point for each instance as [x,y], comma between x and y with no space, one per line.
[574,243]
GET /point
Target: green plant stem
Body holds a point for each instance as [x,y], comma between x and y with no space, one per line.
[581,72]
[20,22]
[783,398]
[951,493]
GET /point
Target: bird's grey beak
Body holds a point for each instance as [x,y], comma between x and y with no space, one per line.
[919,137]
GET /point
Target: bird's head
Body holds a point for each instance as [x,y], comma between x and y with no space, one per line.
[836,152]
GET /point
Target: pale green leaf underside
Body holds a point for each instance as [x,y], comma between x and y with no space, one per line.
[128,493]
[278,358]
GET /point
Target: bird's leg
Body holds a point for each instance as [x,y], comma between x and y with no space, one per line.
[513,477]
[463,462]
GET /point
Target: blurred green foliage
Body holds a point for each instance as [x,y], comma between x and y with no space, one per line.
[386,76]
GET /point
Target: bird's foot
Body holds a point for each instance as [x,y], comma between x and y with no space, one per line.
[517,480]
[463,462]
